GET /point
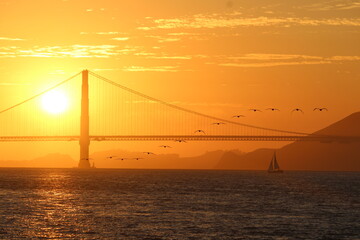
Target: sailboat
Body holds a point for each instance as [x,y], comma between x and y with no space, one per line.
[274,166]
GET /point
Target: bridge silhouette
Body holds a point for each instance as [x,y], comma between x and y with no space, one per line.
[104,110]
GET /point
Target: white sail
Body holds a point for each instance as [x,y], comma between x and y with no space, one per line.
[276,165]
[271,166]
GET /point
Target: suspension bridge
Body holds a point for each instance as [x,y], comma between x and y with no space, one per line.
[104,110]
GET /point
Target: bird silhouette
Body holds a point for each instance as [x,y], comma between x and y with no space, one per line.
[297,110]
[255,110]
[137,158]
[111,157]
[199,131]
[148,153]
[273,109]
[180,141]
[320,109]
[238,116]
[86,158]
[122,159]
[218,123]
[165,146]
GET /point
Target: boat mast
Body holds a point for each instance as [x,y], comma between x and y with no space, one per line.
[271,166]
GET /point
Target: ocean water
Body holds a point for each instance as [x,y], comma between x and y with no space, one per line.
[178,204]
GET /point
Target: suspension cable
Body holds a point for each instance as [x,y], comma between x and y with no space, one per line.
[39,94]
[188,110]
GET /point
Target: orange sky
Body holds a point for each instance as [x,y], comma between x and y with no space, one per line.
[217,57]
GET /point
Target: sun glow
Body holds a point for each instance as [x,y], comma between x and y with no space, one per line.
[55,102]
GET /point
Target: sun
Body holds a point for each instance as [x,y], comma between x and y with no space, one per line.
[55,102]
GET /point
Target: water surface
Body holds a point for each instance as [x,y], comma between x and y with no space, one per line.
[178,204]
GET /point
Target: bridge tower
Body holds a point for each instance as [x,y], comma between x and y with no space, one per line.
[84,122]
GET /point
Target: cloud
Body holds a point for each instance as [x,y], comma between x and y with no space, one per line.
[235,20]
[272,64]
[182,34]
[207,104]
[144,54]
[8,52]
[162,39]
[101,33]
[92,10]
[11,39]
[73,51]
[262,56]
[334,5]
[120,38]
[162,55]
[144,28]
[272,60]
[170,57]
[150,69]
[345,58]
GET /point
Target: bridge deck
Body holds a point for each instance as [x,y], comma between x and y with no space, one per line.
[184,138]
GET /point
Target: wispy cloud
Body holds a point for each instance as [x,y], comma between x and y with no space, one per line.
[236,20]
[151,69]
[345,58]
[272,64]
[144,54]
[120,38]
[333,5]
[162,39]
[272,60]
[207,104]
[97,9]
[11,39]
[101,33]
[73,51]
[182,34]
[262,56]
[171,57]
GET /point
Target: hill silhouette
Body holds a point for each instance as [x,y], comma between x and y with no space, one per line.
[159,161]
[314,156]
[53,160]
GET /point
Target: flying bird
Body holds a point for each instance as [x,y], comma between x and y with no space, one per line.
[238,116]
[137,158]
[148,153]
[165,146]
[254,110]
[297,110]
[320,109]
[180,141]
[199,131]
[273,109]
[111,157]
[122,159]
[218,123]
[87,159]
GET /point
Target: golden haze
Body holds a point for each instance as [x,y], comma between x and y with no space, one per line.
[217,58]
